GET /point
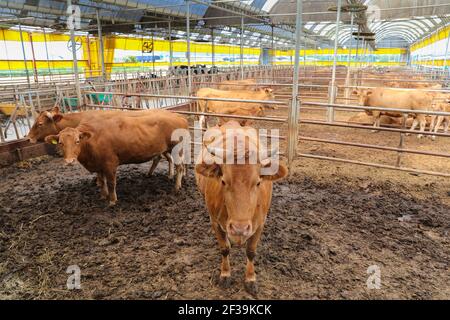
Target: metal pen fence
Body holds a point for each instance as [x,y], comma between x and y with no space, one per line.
[172,92]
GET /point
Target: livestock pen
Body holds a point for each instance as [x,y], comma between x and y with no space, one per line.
[354,198]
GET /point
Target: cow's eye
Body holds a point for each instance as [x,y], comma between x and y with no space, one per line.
[258,184]
[223,182]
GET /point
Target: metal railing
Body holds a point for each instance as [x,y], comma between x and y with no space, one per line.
[169,92]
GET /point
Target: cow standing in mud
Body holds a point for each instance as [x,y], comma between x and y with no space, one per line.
[52,122]
[234,108]
[415,100]
[101,146]
[237,194]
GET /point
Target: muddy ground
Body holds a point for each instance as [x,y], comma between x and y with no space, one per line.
[328,223]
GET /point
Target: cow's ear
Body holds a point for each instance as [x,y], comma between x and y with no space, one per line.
[277,170]
[209,170]
[355,91]
[57,117]
[52,139]
[55,110]
[369,92]
[85,135]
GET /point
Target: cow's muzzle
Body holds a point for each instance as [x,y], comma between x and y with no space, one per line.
[239,229]
[70,161]
[31,140]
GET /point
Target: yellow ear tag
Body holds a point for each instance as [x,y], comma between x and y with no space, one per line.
[54,141]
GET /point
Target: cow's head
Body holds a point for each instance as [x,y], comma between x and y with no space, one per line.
[242,187]
[363,96]
[44,125]
[70,140]
[268,93]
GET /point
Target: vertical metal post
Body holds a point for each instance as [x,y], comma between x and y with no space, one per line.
[170,45]
[88,47]
[213,49]
[347,80]
[153,52]
[332,100]
[295,103]
[24,55]
[242,48]
[33,56]
[272,56]
[357,45]
[46,53]
[357,55]
[74,56]
[446,50]
[304,57]
[8,61]
[188,42]
[100,42]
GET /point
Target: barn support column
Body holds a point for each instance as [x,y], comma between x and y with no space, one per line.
[46,53]
[100,42]
[170,46]
[74,52]
[188,42]
[213,49]
[357,56]
[347,79]
[304,57]
[272,55]
[295,102]
[446,50]
[33,56]
[24,56]
[242,48]
[332,97]
[153,53]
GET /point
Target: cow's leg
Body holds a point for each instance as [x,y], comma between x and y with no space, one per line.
[250,275]
[433,123]
[180,171]
[447,124]
[224,245]
[103,186]
[436,127]
[155,163]
[110,176]
[377,120]
[99,180]
[423,124]
[179,168]
[169,159]
[414,125]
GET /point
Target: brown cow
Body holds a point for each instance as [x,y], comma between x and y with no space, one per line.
[396,99]
[237,196]
[255,109]
[101,146]
[247,84]
[51,122]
